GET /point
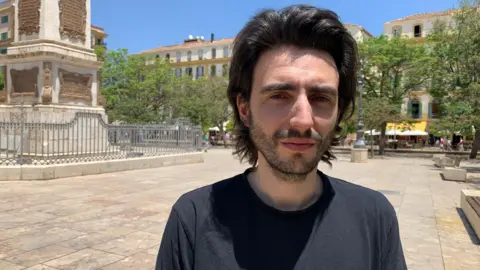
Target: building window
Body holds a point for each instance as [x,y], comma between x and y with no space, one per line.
[167,56]
[4,36]
[225,52]
[179,57]
[157,56]
[397,32]
[3,51]
[214,53]
[434,109]
[200,54]
[224,70]
[213,70]
[189,56]
[188,71]
[99,41]
[415,109]
[178,72]
[417,30]
[200,71]
[5,19]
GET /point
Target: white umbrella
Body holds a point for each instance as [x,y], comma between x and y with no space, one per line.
[392,132]
[369,132]
[413,133]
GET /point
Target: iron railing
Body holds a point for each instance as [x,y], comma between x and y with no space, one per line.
[87,137]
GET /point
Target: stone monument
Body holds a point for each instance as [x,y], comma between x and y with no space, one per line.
[50,64]
[51,72]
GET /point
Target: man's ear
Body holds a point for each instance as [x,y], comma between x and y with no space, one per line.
[243,110]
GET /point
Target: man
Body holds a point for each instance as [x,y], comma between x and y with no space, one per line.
[292,80]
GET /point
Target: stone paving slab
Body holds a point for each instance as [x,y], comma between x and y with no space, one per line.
[116,220]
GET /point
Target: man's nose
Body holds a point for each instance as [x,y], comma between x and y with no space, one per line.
[302,115]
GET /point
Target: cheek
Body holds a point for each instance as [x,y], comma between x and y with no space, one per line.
[326,124]
[266,118]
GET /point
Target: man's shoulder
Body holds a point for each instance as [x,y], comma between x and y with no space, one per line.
[200,200]
[366,199]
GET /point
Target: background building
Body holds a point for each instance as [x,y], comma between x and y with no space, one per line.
[418,105]
[197,57]
[98,36]
[416,26]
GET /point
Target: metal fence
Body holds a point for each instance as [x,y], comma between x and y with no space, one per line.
[87,137]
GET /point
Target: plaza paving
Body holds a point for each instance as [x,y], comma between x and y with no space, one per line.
[115,221]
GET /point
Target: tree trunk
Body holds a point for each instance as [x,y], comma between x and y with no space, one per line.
[381,144]
[372,141]
[476,143]
[222,133]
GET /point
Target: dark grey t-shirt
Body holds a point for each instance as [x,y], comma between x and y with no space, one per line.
[226,226]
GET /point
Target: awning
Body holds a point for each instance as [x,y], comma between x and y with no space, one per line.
[375,133]
[393,132]
[414,133]
[404,126]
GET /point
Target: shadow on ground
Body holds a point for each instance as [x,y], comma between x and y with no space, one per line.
[471,233]
[472,169]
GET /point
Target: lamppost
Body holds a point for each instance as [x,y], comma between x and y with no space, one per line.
[360,142]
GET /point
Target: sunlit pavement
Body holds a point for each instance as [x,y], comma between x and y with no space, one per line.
[115,221]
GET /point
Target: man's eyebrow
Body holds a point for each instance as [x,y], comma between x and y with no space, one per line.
[277,87]
[291,87]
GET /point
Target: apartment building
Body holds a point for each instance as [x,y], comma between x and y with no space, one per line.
[418,105]
[7,23]
[197,57]
[416,26]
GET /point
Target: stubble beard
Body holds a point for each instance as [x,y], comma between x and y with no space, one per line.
[296,167]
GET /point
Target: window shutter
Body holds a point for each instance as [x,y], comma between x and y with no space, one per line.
[420,105]
[430,110]
[409,108]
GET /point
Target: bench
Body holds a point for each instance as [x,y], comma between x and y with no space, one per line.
[442,162]
[454,174]
[470,203]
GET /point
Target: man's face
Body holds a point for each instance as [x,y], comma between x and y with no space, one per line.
[293,109]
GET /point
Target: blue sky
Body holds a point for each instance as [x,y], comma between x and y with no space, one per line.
[144,24]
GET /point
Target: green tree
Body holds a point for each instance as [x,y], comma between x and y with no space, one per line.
[376,110]
[454,68]
[219,110]
[204,101]
[190,100]
[136,88]
[390,70]
[100,51]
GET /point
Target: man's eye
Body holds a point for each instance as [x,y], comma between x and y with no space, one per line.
[278,96]
[320,99]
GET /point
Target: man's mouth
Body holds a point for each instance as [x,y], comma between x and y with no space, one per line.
[298,144]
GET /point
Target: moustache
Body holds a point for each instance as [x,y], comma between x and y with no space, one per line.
[293,133]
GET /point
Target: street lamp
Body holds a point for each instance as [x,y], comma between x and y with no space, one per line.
[360,142]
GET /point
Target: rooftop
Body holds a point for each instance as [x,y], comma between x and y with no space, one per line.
[191,44]
[198,42]
[359,26]
[426,15]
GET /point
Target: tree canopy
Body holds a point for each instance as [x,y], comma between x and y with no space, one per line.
[454,72]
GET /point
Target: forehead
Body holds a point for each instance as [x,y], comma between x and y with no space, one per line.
[296,65]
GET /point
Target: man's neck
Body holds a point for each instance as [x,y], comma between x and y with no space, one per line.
[285,195]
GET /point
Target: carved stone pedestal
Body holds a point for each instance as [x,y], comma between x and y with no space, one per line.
[359,155]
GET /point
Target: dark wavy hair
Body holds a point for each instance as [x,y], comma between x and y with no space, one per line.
[302,26]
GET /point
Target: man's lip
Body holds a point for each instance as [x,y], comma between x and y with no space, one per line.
[299,141]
